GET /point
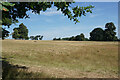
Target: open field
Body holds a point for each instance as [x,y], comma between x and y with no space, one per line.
[73,59]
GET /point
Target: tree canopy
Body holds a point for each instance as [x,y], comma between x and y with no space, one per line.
[97,34]
[37,37]
[109,34]
[21,32]
[14,10]
[80,37]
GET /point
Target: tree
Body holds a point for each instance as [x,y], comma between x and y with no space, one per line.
[21,32]
[109,33]
[5,33]
[41,37]
[72,38]
[37,37]
[32,37]
[86,39]
[65,38]
[80,37]
[97,34]
[16,35]
[56,38]
[13,10]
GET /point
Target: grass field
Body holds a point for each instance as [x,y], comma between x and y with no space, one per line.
[72,59]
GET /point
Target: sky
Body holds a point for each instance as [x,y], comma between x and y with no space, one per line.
[53,23]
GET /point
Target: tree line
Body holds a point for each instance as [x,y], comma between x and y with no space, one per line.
[98,34]
[80,37]
[20,32]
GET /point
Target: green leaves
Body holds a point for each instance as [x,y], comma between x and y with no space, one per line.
[3,4]
[7,4]
[14,10]
[79,11]
[21,32]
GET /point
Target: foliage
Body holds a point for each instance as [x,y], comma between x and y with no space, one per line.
[80,37]
[6,21]
[74,38]
[5,33]
[56,38]
[97,34]
[17,10]
[110,32]
[37,37]
[21,32]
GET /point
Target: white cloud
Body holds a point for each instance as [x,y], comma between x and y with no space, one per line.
[51,11]
[94,15]
[48,12]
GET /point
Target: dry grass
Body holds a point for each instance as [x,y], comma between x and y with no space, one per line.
[73,59]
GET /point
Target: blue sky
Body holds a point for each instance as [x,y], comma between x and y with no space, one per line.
[53,23]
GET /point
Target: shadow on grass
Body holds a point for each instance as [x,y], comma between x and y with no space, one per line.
[15,72]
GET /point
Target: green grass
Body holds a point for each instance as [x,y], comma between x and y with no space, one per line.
[73,59]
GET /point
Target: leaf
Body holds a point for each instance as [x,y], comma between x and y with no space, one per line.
[7,4]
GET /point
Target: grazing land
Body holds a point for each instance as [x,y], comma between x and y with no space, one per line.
[61,59]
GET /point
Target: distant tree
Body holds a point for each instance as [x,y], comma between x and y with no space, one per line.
[80,37]
[32,37]
[119,39]
[97,34]
[109,33]
[54,38]
[65,38]
[21,32]
[5,33]
[72,38]
[37,37]
[41,37]
[57,39]
[86,39]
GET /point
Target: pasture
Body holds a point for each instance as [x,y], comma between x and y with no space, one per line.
[64,59]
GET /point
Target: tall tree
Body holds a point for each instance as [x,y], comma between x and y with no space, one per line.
[21,32]
[109,33]
[97,34]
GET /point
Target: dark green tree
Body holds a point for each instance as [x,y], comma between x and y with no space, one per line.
[37,37]
[21,32]
[15,35]
[97,34]
[41,37]
[5,33]
[86,39]
[57,39]
[65,38]
[72,38]
[80,37]
[32,37]
[109,33]
[54,38]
